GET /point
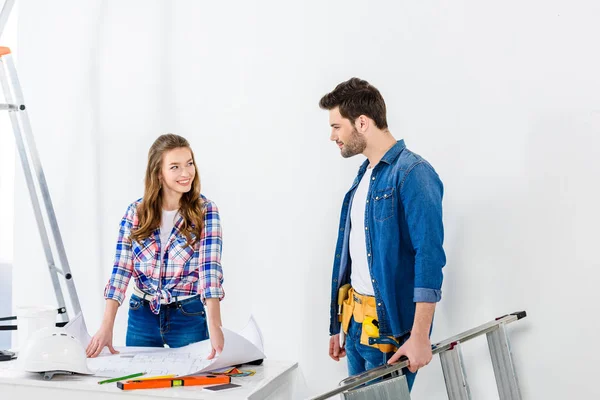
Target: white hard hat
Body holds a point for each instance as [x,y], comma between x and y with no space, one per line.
[54,351]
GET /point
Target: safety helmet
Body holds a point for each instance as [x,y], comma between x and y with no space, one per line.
[54,351]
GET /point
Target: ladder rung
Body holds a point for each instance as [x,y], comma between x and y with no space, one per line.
[9,107]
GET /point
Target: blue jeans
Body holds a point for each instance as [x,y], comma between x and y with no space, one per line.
[178,324]
[362,358]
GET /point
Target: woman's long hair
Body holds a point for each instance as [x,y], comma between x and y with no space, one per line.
[150,209]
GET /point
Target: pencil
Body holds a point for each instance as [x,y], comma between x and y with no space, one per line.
[121,378]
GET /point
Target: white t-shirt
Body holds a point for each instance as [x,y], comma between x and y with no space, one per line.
[166,226]
[360,277]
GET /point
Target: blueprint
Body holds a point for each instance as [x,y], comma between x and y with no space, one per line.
[239,348]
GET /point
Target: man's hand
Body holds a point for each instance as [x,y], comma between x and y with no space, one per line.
[418,351]
[335,351]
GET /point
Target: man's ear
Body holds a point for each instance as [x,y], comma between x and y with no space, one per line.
[362,123]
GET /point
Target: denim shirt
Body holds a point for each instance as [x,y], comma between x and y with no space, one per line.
[404,237]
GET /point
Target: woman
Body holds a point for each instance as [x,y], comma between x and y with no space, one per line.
[170,241]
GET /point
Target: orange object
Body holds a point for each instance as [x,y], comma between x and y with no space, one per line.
[4,51]
[173,382]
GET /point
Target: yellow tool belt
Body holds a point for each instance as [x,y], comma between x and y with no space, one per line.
[360,306]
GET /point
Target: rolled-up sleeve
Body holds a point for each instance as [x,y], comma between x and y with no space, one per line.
[209,253]
[123,264]
[422,192]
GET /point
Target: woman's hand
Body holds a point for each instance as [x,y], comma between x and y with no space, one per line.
[103,338]
[217,341]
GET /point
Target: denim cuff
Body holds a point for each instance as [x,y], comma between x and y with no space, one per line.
[425,295]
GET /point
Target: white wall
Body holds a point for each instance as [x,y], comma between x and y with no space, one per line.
[502,98]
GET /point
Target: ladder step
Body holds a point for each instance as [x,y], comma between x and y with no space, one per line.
[9,107]
[455,375]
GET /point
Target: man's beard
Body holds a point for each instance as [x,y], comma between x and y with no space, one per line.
[355,145]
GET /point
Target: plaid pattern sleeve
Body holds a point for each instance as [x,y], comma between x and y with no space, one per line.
[209,255]
[123,264]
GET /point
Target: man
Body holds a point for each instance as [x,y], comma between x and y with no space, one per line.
[389,246]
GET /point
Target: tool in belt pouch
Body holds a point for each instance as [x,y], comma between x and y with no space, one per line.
[363,309]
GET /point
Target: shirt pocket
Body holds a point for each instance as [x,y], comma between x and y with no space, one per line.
[180,252]
[145,252]
[383,204]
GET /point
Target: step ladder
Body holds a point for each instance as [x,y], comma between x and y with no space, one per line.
[393,385]
[30,162]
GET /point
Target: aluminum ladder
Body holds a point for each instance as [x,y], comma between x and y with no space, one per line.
[32,167]
[392,384]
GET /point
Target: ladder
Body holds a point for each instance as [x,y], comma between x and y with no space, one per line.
[392,384]
[30,162]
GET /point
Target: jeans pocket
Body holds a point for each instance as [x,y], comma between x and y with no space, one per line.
[134,303]
[383,204]
[192,307]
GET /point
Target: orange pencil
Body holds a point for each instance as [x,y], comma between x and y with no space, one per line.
[173,382]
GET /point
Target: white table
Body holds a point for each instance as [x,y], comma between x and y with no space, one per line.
[273,380]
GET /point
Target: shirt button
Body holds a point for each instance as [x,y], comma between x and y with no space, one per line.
[337,256]
[367,201]
[341,229]
[373,280]
[377,198]
[366,228]
[369,255]
[379,304]
[373,178]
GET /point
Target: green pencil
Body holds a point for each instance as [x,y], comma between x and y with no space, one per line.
[121,378]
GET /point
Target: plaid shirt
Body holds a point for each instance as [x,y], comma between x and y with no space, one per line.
[184,270]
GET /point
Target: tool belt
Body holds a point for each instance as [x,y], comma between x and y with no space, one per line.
[360,306]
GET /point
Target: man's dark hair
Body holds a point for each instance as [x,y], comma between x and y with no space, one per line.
[357,97]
